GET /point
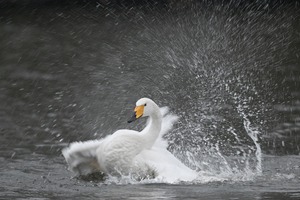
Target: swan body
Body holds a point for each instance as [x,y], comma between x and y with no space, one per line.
[131,152]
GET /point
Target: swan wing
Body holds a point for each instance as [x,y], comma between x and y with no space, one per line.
[166,165]
[167,124]
[116,153]
[81,156]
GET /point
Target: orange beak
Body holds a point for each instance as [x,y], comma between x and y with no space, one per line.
[139,111]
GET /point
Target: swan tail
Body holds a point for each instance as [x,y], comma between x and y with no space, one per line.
[81,157]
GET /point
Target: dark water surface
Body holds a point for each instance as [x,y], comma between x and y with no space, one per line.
[72,71]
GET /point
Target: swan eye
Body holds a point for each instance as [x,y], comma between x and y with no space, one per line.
[145,104]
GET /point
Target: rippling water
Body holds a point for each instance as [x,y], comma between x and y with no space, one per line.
[72,71]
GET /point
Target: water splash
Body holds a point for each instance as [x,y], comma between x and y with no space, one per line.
[215,166]
[208,156]
[253,133]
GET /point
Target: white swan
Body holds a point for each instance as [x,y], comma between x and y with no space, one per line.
[131,152]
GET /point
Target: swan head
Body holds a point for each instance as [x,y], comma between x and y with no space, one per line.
[144,107]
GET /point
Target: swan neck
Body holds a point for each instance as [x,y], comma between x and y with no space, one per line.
[152,130]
